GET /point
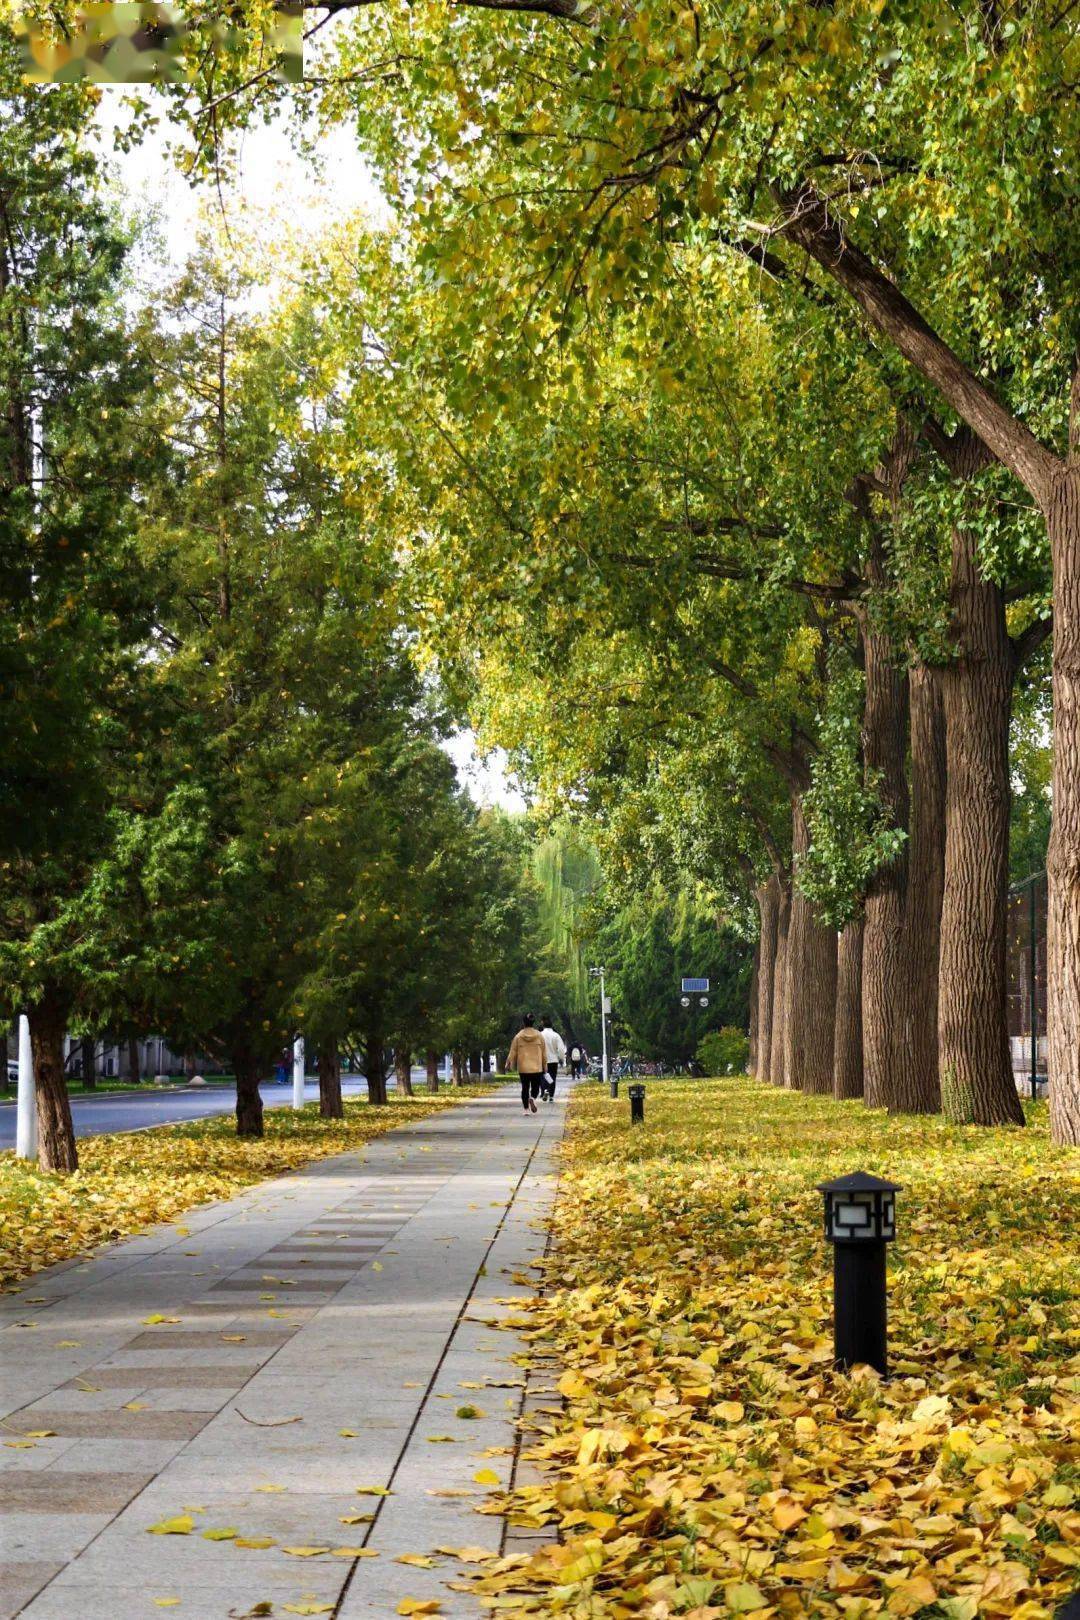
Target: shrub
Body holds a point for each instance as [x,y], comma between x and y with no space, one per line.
[724,1051]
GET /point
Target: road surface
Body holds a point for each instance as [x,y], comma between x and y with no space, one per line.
[132,1110]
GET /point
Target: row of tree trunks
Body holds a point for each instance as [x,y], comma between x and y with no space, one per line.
[977,1082]
[375,1066]
[810,990]
[913,1084]
[331,1105]
[87,1063]
[56,1131]
[403,1071]
[780,976]
[768,899]
[249,1103]
[848,1042]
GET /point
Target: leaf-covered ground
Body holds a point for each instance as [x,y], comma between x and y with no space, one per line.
[128,1182]
[707,1459]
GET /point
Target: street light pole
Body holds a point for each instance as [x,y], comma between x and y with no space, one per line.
[298,1072]
[598,973]
[26,1107]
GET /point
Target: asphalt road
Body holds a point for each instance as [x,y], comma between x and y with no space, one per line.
[132,1111]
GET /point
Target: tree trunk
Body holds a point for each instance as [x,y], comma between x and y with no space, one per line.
[977,1084]
[330,1103]
[431,1060]
[768,899]
[403,1070]
[485,1062]
[884,967]
[915,1088]
[752,1031]
[87,1052]
[56,1133]
[1063,860]
[848,1041]
[191,1065]
[134,1067]
[811,984]
[375,1066]
[249,1103]
[777,1042]
[458,1070]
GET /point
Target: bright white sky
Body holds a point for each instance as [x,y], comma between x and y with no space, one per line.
[273,182]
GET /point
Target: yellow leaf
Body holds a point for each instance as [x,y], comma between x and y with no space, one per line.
[166,1602]
[420,1560]
[373,1490]
[305,1552]
[308,1608]
[573,1385]
[419,1606]
[742,1597]
[486,1476]
[730,1411]
[269,1489]
[256,1542]
[182,1525]
[356,1518]
[153,1321]
[354,1552]
[347,1434]
[219,1535]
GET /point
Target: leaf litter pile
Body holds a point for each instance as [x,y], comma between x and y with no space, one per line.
[126,1183]
[706,1459]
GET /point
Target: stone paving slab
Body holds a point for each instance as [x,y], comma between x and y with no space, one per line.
[274,1410]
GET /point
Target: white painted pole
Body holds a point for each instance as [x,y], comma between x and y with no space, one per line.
[298,1072]
[26,1107]
[448,1061]
[603,1026]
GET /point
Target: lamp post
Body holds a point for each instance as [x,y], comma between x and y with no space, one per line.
[636,1093]
[860,1219]
[598,973]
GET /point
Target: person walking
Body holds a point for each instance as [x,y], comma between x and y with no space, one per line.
[577,1062]
[528,1056]
[555,1053]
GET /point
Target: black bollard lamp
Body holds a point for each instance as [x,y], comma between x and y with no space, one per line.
[613,1086]
[860,1219]
[636,1093]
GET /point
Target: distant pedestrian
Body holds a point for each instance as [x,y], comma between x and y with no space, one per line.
[577,1062]
[555,1053]
[528,1056]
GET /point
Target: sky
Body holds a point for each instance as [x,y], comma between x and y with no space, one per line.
[272,182]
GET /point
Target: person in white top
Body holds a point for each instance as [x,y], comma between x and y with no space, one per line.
[555,1048]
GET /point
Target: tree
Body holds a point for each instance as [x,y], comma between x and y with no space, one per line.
[76,604]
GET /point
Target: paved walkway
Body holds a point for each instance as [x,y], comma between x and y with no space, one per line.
[348,1297]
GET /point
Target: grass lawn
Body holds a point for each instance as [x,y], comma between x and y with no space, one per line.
[707,1460]
[127,1182]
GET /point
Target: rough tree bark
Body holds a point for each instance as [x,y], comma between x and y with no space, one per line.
[752,1031]
[777,1042]
[375,1066]
[768,899]
[915,1088]
[403,1070]
[56,1133]
[331,1105]
[977,1082]
[884,968]
[431,1060]
[848,1042]
[1063,860]
[249,1103]
[811,984]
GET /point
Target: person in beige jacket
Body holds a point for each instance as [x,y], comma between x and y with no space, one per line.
[528,1056]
